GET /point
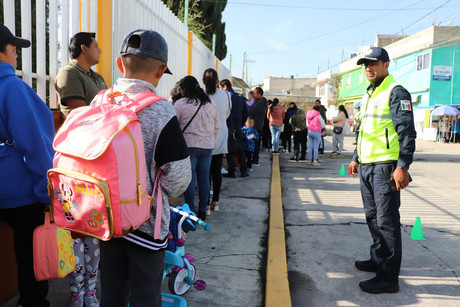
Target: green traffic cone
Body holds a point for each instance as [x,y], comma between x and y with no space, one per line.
[342,171]
[417,232]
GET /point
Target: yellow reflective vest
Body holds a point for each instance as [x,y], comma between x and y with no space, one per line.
[378,140]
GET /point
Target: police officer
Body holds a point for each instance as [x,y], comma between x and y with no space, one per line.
[384,152]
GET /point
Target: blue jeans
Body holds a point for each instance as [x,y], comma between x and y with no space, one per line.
[201,164]
[314,138]
[276,132]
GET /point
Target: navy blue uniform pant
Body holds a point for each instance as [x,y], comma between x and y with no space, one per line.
[381,206]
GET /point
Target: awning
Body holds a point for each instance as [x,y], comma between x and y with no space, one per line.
[238,82]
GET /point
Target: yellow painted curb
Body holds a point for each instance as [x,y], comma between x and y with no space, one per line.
[277,292]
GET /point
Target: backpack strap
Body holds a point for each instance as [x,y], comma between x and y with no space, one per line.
[159,211]
[143,100]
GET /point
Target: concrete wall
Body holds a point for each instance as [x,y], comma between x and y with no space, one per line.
[446,92]
[303,102]
[297,86]
[385,40]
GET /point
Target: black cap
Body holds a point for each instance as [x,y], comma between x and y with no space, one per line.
[146,43]
[6,37]
[374,54]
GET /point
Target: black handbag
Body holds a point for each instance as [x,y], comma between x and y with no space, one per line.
[337,130]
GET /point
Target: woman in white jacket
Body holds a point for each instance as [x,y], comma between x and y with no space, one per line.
[224,105]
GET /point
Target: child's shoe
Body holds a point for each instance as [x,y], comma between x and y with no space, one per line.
[76,301]
[91,299]
[250,170]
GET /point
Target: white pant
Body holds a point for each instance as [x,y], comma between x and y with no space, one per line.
[337,142]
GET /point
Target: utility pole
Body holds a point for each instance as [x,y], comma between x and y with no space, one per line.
[230,64]
[186,14]
[214,44]
[434,18]
[244,64]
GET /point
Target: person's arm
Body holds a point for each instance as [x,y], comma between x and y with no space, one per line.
[403,121]
[216,121]
[171,156]
[269,112]
[70,89]
[283,115]
[30,124]
[245,111]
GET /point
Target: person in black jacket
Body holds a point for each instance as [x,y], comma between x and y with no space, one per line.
[258,111]
[238,115]
[287,129]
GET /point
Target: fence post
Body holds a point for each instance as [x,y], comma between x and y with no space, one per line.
[189,53]
[104,38]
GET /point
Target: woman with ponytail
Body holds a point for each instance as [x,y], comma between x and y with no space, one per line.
[224,104]
[199,120]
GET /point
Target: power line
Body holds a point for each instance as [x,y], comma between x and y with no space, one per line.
[423,17]
[335,31]
[317,8]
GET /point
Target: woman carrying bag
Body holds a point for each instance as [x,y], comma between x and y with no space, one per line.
[199,120]
[338,132]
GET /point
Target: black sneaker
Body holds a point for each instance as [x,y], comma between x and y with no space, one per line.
[245,174]
[202,215]
[367,266]
[377,285]
[229,175]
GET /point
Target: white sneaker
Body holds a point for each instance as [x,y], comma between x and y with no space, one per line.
[91,299]
[208,210]
[257,164]
[224,171]
[215,206]
[309,163]
[316,163]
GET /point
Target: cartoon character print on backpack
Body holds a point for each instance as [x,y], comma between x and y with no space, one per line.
[65,195]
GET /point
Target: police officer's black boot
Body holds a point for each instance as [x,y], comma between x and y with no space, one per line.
[367,265]
[378,285]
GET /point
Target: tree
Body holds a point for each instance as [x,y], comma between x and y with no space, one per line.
[205,19]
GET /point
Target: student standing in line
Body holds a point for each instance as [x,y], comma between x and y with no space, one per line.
[224,106]
[299,127]
[315,126]
[258,111]
[77,84]
[26,154]
[250,135]
[239,115]
[132,266]
[338,132]
[275,115]
[199,120]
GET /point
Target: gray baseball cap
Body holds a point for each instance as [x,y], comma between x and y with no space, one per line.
[146,43]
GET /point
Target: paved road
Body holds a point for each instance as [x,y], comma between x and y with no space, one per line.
[326,232]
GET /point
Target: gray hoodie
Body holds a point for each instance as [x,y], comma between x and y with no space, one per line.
[165,148]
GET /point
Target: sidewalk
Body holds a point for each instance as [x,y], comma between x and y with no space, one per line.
[230,257]
[326,232]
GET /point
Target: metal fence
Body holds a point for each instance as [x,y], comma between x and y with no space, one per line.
[55,21]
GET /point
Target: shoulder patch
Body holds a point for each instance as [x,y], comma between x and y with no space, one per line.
[405,105]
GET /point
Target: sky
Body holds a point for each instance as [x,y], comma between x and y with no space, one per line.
[294,37]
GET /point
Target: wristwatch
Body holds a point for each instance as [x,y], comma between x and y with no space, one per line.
[404,168]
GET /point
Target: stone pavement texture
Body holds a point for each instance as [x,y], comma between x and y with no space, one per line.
[326,232]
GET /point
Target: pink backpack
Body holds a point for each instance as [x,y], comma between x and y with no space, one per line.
[98,184]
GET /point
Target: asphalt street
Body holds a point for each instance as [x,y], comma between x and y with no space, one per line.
[326,232]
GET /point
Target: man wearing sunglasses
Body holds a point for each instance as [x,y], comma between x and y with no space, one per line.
[384,152]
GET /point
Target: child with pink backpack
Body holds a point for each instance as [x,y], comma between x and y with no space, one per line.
[117,164]
[136,260]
